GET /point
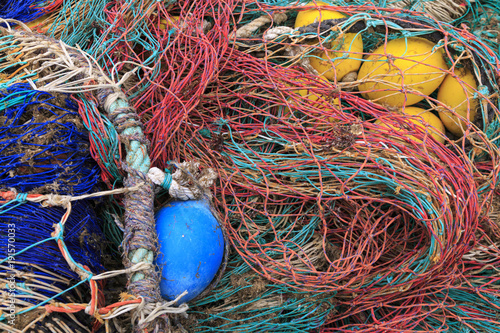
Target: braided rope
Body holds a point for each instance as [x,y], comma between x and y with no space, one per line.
[441,10]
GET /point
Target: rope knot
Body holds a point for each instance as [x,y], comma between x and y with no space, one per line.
[56,200]
[187,182]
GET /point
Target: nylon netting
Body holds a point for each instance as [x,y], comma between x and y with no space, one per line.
[345,213]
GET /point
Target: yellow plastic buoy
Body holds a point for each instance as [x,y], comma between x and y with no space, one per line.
[164,23]
[402,65]
[458,95]
[345,51]
[424,120]
[310,16]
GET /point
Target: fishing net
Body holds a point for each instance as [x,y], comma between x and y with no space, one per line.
[25,11]
[246,302]
[344,211]
[469,304]
[44,149]
[48,65]
[319,197]
[267,139]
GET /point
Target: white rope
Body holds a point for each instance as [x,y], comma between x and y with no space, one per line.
[6,21]
[67,76]
[63,200]
[177,188]
[119,328]
[112,98]
[156,176]
[248,29]
[274,33]
[180,192]
[147,312]
[137,267]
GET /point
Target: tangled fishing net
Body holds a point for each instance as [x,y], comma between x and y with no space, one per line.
[347,210]
[44,149]
[318,197]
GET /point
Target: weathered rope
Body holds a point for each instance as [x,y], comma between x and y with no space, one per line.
[186,183]
[441,10]
[248,29]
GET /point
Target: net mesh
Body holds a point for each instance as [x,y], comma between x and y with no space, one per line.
[346,213]
[44,149]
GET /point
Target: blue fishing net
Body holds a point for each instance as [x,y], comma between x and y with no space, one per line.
[22,10]
[43,144]
[44,148]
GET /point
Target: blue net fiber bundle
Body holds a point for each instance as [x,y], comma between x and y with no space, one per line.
[44,149]
[22,10]
[43,144]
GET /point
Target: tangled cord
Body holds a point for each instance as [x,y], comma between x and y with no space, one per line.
[316,196]
[143,312]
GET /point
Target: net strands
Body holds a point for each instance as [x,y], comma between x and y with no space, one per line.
[219,127]
[181,102]
[104,140]
[215,139]
[470,303]
[24,11]
[41,274]
[175,35]
[269,146]
[484,22]
[43,144]
[390,211]
[44,149]
[74,22]
[64,69]
[245,302]
[276,168]
[135,51]
[189,61]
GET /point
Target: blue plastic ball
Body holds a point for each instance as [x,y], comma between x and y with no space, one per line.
[191,244]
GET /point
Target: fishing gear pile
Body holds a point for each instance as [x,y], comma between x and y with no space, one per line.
[353,150]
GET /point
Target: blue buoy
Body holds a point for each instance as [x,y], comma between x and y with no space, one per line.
[191,248]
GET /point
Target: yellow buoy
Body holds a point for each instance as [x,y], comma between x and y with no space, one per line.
[425,120]
[345,53]
[164,23]
[310,16]
[458,95]
[402,65]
